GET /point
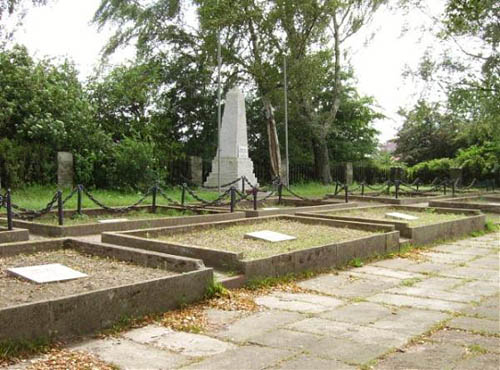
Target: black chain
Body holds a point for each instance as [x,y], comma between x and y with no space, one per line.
[223,185]
[112,209]
[207,203]
[29,214]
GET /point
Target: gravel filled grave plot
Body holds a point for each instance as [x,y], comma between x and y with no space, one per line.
[318,243]
[485,203]
[425,217]
[98,220]
[112,283]
[51,219]
[431,224]
[232,238]
[102,273]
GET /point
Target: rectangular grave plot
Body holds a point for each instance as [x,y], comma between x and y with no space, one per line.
[401,200]
[120,282]
[485,203]
[431,223]
[96,221]
[223,245]
[288,206]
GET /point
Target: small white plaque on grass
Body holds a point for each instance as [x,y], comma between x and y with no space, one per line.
[46,273]
[110,220]
[401,216]
[270,208]
[269,236]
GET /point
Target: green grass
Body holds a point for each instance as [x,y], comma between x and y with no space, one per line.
[21,348]
[36,197]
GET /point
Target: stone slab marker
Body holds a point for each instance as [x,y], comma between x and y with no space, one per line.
[196,170]
[348,173]
[65,169]
[234,160]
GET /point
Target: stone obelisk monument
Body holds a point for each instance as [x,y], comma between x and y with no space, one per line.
[234,160]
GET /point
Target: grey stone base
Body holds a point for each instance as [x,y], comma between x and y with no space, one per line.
[230,170]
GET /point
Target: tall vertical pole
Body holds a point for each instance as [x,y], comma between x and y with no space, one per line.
[287,180]
[219,113]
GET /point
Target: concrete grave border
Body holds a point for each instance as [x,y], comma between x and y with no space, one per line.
[463,203]
[97,228]
[390,200]
[299,205]
[89,312]
[11,236]
[418,235]
[314,258]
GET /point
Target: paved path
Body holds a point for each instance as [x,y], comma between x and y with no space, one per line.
[437,312]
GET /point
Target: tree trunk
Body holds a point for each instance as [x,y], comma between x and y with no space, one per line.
[324,162]
[272,134]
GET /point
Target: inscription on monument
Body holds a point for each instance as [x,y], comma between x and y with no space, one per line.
[243,152]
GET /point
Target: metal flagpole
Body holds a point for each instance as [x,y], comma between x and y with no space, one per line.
[219,113]
[286,125]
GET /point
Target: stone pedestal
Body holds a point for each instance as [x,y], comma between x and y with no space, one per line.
[195,170]
[348,173]
[65,170]
[234,160]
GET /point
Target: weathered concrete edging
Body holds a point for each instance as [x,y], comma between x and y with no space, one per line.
[89,312]
[464,203]
[425,234]
[389,200]
[314,258]
[97,228]
[15,235]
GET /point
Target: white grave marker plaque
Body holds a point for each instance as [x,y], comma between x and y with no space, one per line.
[401,216]
[111,220]
[46,273]
[269,236]
[270,208]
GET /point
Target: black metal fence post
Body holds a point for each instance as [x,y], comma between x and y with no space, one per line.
[444,188]
[243,184]
[396,185]
[346,193]
[8,200]
[363,188]
[233,198]
[153,201]
[280,192]
[389,187]
[79,199]
[336,187]
[254,191]
[418,183]
[183,195]
[60,212]
[453,189]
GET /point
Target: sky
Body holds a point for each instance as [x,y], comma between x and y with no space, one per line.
[63,29]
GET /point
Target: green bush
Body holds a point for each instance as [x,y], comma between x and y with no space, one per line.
[429,170]
[480,162]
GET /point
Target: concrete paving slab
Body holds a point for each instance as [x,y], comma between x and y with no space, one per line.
[462,250]
[286,339]
[395,263]
[380,271]
[305,303]
[487,309]
[417,302]
[348,351]
[246,357]
[310,362]
[256,324]
[447,258]
[466,339]
[188,344]
[476,325]
[127,354]
[424,356]
[220,319]
[485,362]
[488,262]
[349,285]
[440,283]
[434,293]
[360,313]
[482,288]
[411,321]
[473,273]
